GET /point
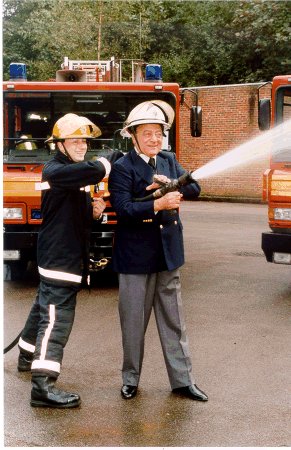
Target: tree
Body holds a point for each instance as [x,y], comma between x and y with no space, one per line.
[197,42]
[266,27]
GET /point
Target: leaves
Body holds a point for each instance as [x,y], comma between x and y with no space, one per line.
[197,42]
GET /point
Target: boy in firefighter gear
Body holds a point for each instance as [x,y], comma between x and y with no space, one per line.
[148,250]
[62,255]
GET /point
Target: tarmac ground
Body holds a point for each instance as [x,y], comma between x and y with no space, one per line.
[237,309]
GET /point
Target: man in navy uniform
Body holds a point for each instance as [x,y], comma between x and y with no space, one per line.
[148,250]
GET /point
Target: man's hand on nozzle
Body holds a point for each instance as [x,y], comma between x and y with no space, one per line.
[169,201]
[160,180]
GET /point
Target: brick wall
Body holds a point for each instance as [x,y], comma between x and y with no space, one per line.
[230,118]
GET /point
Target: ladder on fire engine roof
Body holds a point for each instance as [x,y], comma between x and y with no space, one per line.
[110,70]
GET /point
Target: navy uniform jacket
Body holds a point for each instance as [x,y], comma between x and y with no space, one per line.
[145,242]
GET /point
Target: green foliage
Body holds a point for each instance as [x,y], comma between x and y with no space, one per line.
[197,42]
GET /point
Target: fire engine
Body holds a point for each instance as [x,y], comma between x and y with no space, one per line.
[276,244]
[96,90]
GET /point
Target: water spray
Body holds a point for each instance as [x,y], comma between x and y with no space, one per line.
[270,142]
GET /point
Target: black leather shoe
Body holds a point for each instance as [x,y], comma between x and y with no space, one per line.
[45,394]
[24,361]
[192,392]
[128,391]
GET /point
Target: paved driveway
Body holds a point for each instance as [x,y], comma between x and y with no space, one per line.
[237,310]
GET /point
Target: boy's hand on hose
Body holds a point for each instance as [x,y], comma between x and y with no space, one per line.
[98,207]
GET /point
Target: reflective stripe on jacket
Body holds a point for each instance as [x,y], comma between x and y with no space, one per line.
[64,237]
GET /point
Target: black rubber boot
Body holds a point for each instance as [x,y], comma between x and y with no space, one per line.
[45,394]
[24,361]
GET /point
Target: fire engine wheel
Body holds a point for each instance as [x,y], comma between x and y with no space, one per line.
[15,270]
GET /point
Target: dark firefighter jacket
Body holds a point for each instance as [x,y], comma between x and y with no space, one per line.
[64,237]
[146,242]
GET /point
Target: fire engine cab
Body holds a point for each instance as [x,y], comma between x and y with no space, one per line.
[96,90]
[276,243]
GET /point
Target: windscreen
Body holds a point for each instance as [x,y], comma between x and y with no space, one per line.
[29,118]
[283,114]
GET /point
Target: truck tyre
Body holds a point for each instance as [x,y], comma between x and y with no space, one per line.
[15,270]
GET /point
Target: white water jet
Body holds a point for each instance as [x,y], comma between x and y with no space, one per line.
[270,142]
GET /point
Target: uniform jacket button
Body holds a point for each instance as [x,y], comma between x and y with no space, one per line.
[175,222]
[161,226]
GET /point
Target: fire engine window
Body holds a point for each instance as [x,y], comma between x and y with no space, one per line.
[283,105]
[283,113]
[287,107]
[33,114]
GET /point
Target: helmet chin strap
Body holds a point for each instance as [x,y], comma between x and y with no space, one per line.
[66,152]
[137,146]
[136,143]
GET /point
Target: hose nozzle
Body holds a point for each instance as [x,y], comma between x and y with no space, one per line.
[171,186]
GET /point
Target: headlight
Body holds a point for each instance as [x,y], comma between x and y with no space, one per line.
[12,213]
[282,213]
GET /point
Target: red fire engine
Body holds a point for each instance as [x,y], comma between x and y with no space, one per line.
[277,180]
[94,89]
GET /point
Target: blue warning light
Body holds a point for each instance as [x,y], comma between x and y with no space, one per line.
[153,72]
[17,72]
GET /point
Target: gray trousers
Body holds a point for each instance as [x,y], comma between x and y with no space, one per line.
[138,294]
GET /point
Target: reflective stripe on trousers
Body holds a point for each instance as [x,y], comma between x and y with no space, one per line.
[49,325]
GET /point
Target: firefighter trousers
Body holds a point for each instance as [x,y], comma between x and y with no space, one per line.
[48,327]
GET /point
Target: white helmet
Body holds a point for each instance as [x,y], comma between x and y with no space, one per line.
[74,126]
[151,111]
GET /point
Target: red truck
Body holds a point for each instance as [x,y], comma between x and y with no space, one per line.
[94,89]
[276,244]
